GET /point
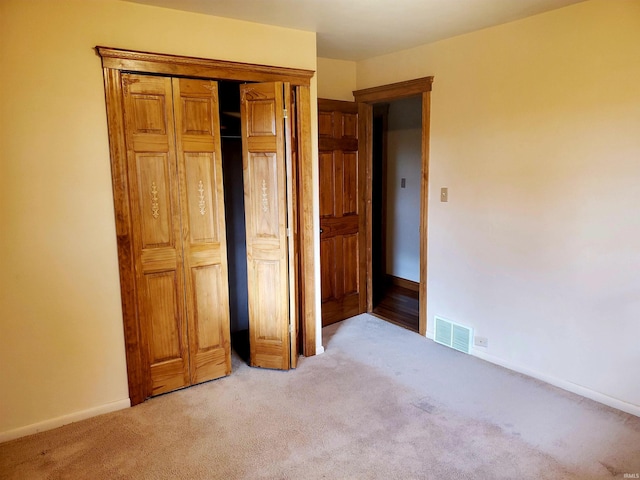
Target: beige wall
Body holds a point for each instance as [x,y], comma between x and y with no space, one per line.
[404,160]
[336,79]
[535,130]
[61,340]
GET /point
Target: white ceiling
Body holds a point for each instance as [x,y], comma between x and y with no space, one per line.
[359,29]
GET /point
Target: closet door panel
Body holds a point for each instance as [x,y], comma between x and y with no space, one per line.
[200,175]
[203,227]
[166,347]
[153,191]
[263,143]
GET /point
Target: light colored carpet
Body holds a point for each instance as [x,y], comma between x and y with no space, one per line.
[380,403]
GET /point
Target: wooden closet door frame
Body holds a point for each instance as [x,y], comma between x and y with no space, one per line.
[366,98]
[114,63]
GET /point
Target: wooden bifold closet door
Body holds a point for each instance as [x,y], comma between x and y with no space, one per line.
[166,166]
[174,176]
[271,330]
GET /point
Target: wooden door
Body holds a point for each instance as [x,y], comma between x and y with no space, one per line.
[291,161]
[203,227]
[342,216]
[157,243]
[177,209]
[265,183]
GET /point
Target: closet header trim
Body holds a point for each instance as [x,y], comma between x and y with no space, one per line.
[162,64]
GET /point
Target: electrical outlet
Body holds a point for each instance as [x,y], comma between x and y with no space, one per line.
[481,342]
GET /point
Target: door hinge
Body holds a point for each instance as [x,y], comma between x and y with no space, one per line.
[286,114]
[290,328]
[288,231]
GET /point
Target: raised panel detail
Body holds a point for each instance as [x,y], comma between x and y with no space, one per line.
[327,184]
[350,259]
[350,183]
[197,117]
[327,264]
[210,315]
[325,124]
[349,125]
[261,119]
[264,186]
[148,114]
[269,316]
[163,319]
[201,197]
[154,198]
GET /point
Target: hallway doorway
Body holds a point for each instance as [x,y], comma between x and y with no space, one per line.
[396,166]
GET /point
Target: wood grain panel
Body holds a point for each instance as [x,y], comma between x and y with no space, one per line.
[266,219]
[308,234]
[341,212]
[327,260]
[325,124]
[207,306]
[350,191]
[203,227]
[350,125]
[164,322]
[157,248]
[201,197]
[327,184]
[154,200]
[148,114]
[261,118]
[269,316]
[197,117]
[339,226]
[350,255]
[165,333]
[266,210]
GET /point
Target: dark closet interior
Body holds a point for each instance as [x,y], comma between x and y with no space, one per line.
[231,145]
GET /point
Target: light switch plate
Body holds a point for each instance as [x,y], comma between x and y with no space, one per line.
[444,194]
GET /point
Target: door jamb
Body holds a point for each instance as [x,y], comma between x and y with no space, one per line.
[365,99]
[116,61]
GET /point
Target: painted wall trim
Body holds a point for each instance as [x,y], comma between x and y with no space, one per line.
[563,384]
[64,420]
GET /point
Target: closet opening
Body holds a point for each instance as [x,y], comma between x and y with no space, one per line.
[231,148]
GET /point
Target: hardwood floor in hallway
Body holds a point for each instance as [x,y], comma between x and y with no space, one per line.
[400,306]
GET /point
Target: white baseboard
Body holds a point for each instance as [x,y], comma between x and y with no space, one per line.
[563,384]
[319,350]
[63,420]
